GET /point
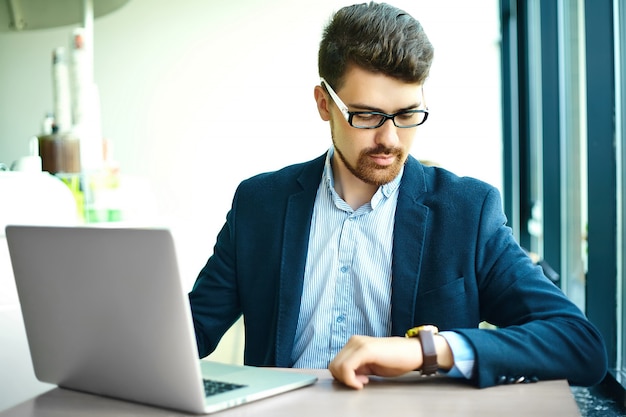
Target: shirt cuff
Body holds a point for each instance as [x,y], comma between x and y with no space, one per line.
[463,353]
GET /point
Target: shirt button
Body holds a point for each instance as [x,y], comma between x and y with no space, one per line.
[340,319]
[344,269]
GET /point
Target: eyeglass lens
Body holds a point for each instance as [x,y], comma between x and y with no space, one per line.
[369,120]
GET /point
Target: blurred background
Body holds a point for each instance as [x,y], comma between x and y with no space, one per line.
[197,95]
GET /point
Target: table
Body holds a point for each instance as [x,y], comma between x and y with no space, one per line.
[405,396]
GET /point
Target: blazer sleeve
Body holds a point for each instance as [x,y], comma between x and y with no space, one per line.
[540,333]
[213,299]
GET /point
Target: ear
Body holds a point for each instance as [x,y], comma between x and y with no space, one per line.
[322,100]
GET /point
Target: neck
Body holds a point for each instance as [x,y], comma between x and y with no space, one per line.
[351,189]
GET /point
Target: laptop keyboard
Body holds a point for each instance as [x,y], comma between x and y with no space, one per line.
[212,387]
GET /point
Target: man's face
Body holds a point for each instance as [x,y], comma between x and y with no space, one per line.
[374,156]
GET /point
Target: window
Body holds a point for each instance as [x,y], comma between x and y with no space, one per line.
[564,101]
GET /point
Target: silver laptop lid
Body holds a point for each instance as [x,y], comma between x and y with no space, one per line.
[85,295]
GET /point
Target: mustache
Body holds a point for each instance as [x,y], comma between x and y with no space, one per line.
[381,150]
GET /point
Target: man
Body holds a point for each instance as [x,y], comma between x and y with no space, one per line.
[332,261]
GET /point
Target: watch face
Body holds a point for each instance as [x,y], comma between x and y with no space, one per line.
[429,327]
[413,332]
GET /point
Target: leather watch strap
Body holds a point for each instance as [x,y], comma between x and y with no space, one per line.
[426,335]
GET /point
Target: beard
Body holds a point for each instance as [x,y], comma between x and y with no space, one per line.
[370,172]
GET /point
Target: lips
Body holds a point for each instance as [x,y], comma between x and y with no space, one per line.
[384,160]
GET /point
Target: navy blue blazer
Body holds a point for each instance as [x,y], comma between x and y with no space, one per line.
[455,264]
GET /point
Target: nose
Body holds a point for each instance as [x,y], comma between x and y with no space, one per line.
[387,134]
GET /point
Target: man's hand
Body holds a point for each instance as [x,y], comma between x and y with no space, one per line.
[382,356]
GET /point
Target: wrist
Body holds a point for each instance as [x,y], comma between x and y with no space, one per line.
[445,358]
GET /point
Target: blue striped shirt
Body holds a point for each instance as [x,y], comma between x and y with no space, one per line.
[347,278]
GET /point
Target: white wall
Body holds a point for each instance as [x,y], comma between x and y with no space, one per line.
[197,95]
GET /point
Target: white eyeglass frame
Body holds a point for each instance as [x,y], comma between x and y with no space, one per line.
[340,104]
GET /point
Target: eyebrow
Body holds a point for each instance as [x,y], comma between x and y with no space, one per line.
[379,110]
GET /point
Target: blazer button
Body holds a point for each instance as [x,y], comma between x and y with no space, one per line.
[511,380]
[501,380]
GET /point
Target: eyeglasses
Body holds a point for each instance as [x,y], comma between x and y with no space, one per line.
[373,119]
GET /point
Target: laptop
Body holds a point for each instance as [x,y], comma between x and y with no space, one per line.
[105,313]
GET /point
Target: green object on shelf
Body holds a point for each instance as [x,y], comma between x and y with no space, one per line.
[95,205]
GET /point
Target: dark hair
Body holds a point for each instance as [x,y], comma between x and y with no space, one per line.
[377,37]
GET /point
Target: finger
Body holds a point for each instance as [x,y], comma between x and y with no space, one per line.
[348,376]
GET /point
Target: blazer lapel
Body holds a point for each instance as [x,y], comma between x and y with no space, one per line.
[408,243]
[295,245]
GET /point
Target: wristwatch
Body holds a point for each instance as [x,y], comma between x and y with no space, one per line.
[426,335]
